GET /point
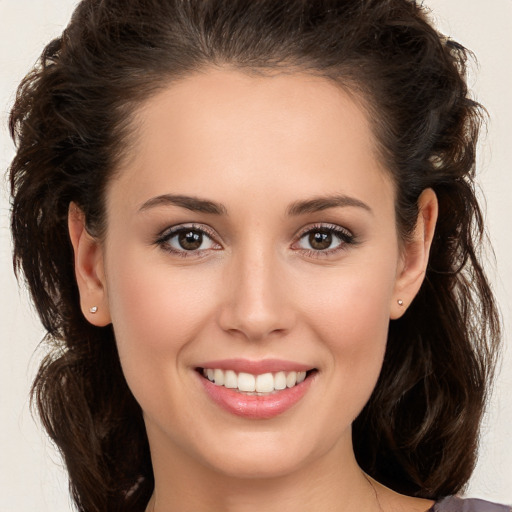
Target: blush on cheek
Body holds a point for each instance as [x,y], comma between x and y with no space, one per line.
[156,307]
[353,321]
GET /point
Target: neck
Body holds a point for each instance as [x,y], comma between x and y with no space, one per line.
[333,482]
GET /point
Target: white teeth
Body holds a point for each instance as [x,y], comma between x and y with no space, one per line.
[291,379]
[254,384]
[230,379]
[246,382]
[280,381]
[218,377]
[265,383]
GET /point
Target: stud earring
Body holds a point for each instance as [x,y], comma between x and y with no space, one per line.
[93,310]
[400,302]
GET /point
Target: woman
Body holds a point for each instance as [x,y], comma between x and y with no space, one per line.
[249,229]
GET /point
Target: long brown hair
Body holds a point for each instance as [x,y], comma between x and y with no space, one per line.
[71,122]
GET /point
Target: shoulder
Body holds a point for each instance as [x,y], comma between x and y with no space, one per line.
[454,504]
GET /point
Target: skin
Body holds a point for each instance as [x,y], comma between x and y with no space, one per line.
[256,290]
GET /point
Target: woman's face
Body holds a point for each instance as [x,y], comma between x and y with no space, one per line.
[251,231]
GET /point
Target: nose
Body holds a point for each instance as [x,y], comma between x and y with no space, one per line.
[256,304]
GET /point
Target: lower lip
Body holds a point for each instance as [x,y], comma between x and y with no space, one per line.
[253,406]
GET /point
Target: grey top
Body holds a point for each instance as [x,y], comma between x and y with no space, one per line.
[453,504]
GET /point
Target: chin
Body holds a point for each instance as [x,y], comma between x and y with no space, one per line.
[262,466]
[268,455]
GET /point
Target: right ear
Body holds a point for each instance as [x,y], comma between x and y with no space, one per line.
[89,269]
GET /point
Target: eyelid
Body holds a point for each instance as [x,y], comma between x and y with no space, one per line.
[335,228]
[172,230]
[346,237]
[162,239]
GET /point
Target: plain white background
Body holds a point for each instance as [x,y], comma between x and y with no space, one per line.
[31,473]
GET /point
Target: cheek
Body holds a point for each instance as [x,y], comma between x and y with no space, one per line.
[351,316]
[157,311]
[355,330]
[352,307]
[152,303]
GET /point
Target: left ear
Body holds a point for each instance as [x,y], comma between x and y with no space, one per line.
[415,253]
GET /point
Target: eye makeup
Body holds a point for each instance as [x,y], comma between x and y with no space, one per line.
[196,240]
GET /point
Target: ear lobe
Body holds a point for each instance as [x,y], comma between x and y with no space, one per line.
[415,254]
[89,269]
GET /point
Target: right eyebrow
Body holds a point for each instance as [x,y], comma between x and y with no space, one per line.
[192,203]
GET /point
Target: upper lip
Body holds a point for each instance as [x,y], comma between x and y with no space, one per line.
[256,367]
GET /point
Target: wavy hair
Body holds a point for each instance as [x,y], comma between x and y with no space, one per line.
[72,122]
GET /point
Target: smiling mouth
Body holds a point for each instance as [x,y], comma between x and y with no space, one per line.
[255,385]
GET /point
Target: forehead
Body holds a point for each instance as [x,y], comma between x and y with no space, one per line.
[222,126]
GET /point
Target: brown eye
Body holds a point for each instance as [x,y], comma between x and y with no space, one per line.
[325,239]
[187,240]
[320,240]
[190,240]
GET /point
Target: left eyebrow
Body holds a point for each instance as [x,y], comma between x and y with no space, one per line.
[318,204]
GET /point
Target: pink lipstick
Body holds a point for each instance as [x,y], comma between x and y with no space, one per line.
[256,389]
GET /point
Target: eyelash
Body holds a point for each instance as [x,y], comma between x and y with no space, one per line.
[344,236]
[165,238]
